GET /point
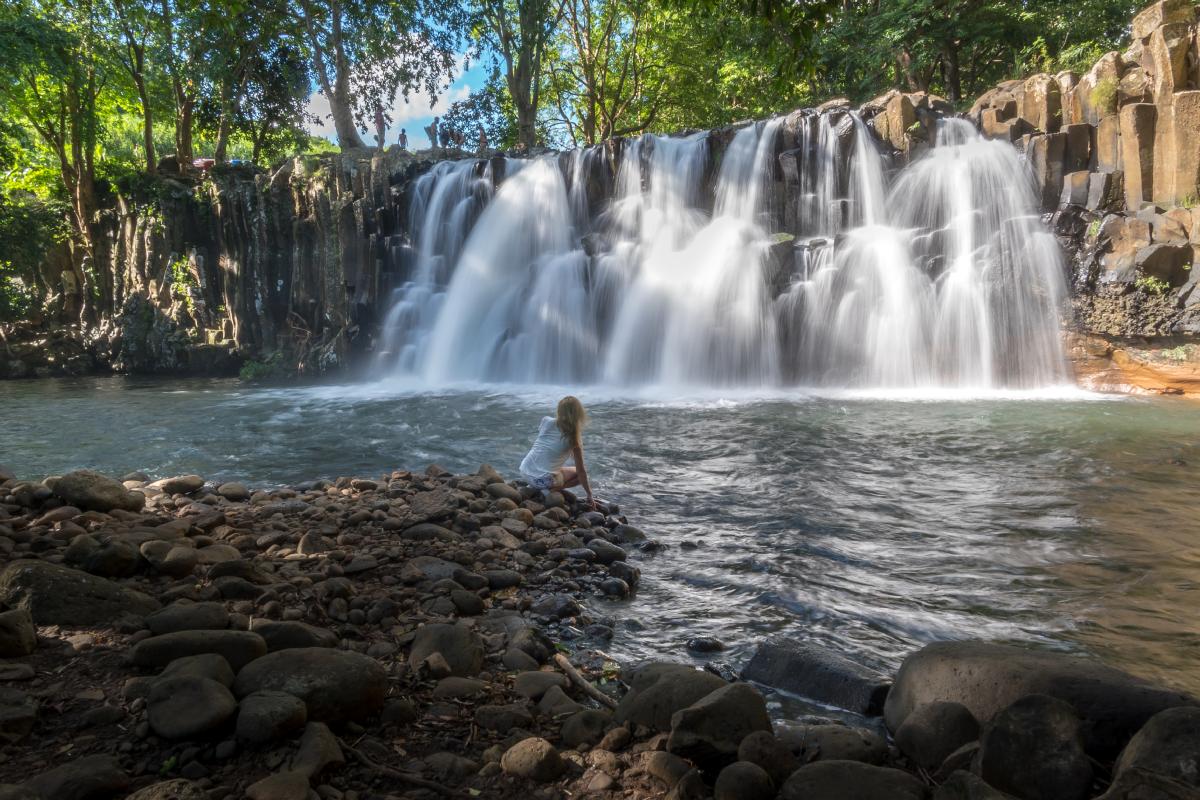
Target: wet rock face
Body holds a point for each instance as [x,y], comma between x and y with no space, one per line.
[1034,749]
[986,678]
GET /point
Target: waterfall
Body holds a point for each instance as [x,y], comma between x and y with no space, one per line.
[937,274]
[445,203]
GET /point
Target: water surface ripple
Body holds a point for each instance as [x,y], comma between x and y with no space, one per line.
[870,524]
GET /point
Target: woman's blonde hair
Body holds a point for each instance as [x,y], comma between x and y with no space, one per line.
[570,419]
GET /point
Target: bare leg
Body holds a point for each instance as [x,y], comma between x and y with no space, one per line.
[570,478]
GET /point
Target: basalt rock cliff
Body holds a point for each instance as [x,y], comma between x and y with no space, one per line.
[295,266]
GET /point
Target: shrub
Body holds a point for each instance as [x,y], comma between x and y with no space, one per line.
[1104,96]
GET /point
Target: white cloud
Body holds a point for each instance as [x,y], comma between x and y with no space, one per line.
[412,114]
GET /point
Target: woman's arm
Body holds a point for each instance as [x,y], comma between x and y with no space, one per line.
[581,473]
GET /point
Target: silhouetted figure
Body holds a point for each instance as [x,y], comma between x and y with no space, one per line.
[402,140]
[432,131]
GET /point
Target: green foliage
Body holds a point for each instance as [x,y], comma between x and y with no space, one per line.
[28,227]
[1104,96]
[1152,285]
[490,108]
[1093,229]
[270,368]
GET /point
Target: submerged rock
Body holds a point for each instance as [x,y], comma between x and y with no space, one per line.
[814,672]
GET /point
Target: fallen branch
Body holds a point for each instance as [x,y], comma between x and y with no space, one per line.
[397,775]
[582,682]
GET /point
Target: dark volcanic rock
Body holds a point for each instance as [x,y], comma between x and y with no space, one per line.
[286,635]
[658,689]
[57,595]
[532,758]
[238,647]
[335,685]
[1034,750]
[743,780]
[86,778]
[709,731]
[963,785]
[95,492]
[1168,745]
[18,713]
[833,780]
[762,748]
[831,742]
[182,707]
[934,731]
[188,617]
[18,637]
[266,716]
[987,678]
[816,673]
[459,645]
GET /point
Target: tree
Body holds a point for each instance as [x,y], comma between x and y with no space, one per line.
[365,51]
[488,107]
[135,22]
[51,74]
[606,77]
[520,31]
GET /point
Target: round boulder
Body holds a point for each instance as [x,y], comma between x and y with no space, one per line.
[266,716]
[934,731]
[838,780]
[743,780]
[335,685]
[709,731]
[185,706]
[92,491]
[1034,749]
[460,646]
[1168,745]
[532,758]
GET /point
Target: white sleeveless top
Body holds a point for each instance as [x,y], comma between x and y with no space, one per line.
[549,452]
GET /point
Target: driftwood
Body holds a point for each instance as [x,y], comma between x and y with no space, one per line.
[397,775]
[582,682]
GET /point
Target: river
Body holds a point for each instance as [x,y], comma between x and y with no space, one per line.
[871,523]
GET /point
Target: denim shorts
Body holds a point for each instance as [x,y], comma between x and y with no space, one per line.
[546,482]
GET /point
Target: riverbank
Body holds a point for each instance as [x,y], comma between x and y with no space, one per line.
[426,635]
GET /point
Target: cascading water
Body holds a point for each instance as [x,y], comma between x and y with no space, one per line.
[445,204]
[947,280]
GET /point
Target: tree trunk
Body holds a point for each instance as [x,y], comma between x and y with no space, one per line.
[343,115]
[147,125]
[183,129]
[527,125]
[226,122]
[953,77]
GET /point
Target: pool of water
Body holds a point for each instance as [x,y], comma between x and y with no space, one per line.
[871,523]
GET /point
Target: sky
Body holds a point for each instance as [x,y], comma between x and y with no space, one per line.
[412,115]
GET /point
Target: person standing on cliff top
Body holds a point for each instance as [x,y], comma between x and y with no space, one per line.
[558,437]
[403,139]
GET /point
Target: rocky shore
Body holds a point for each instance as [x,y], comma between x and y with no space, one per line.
[430,635]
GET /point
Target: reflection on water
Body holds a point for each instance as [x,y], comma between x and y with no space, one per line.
[871,524]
